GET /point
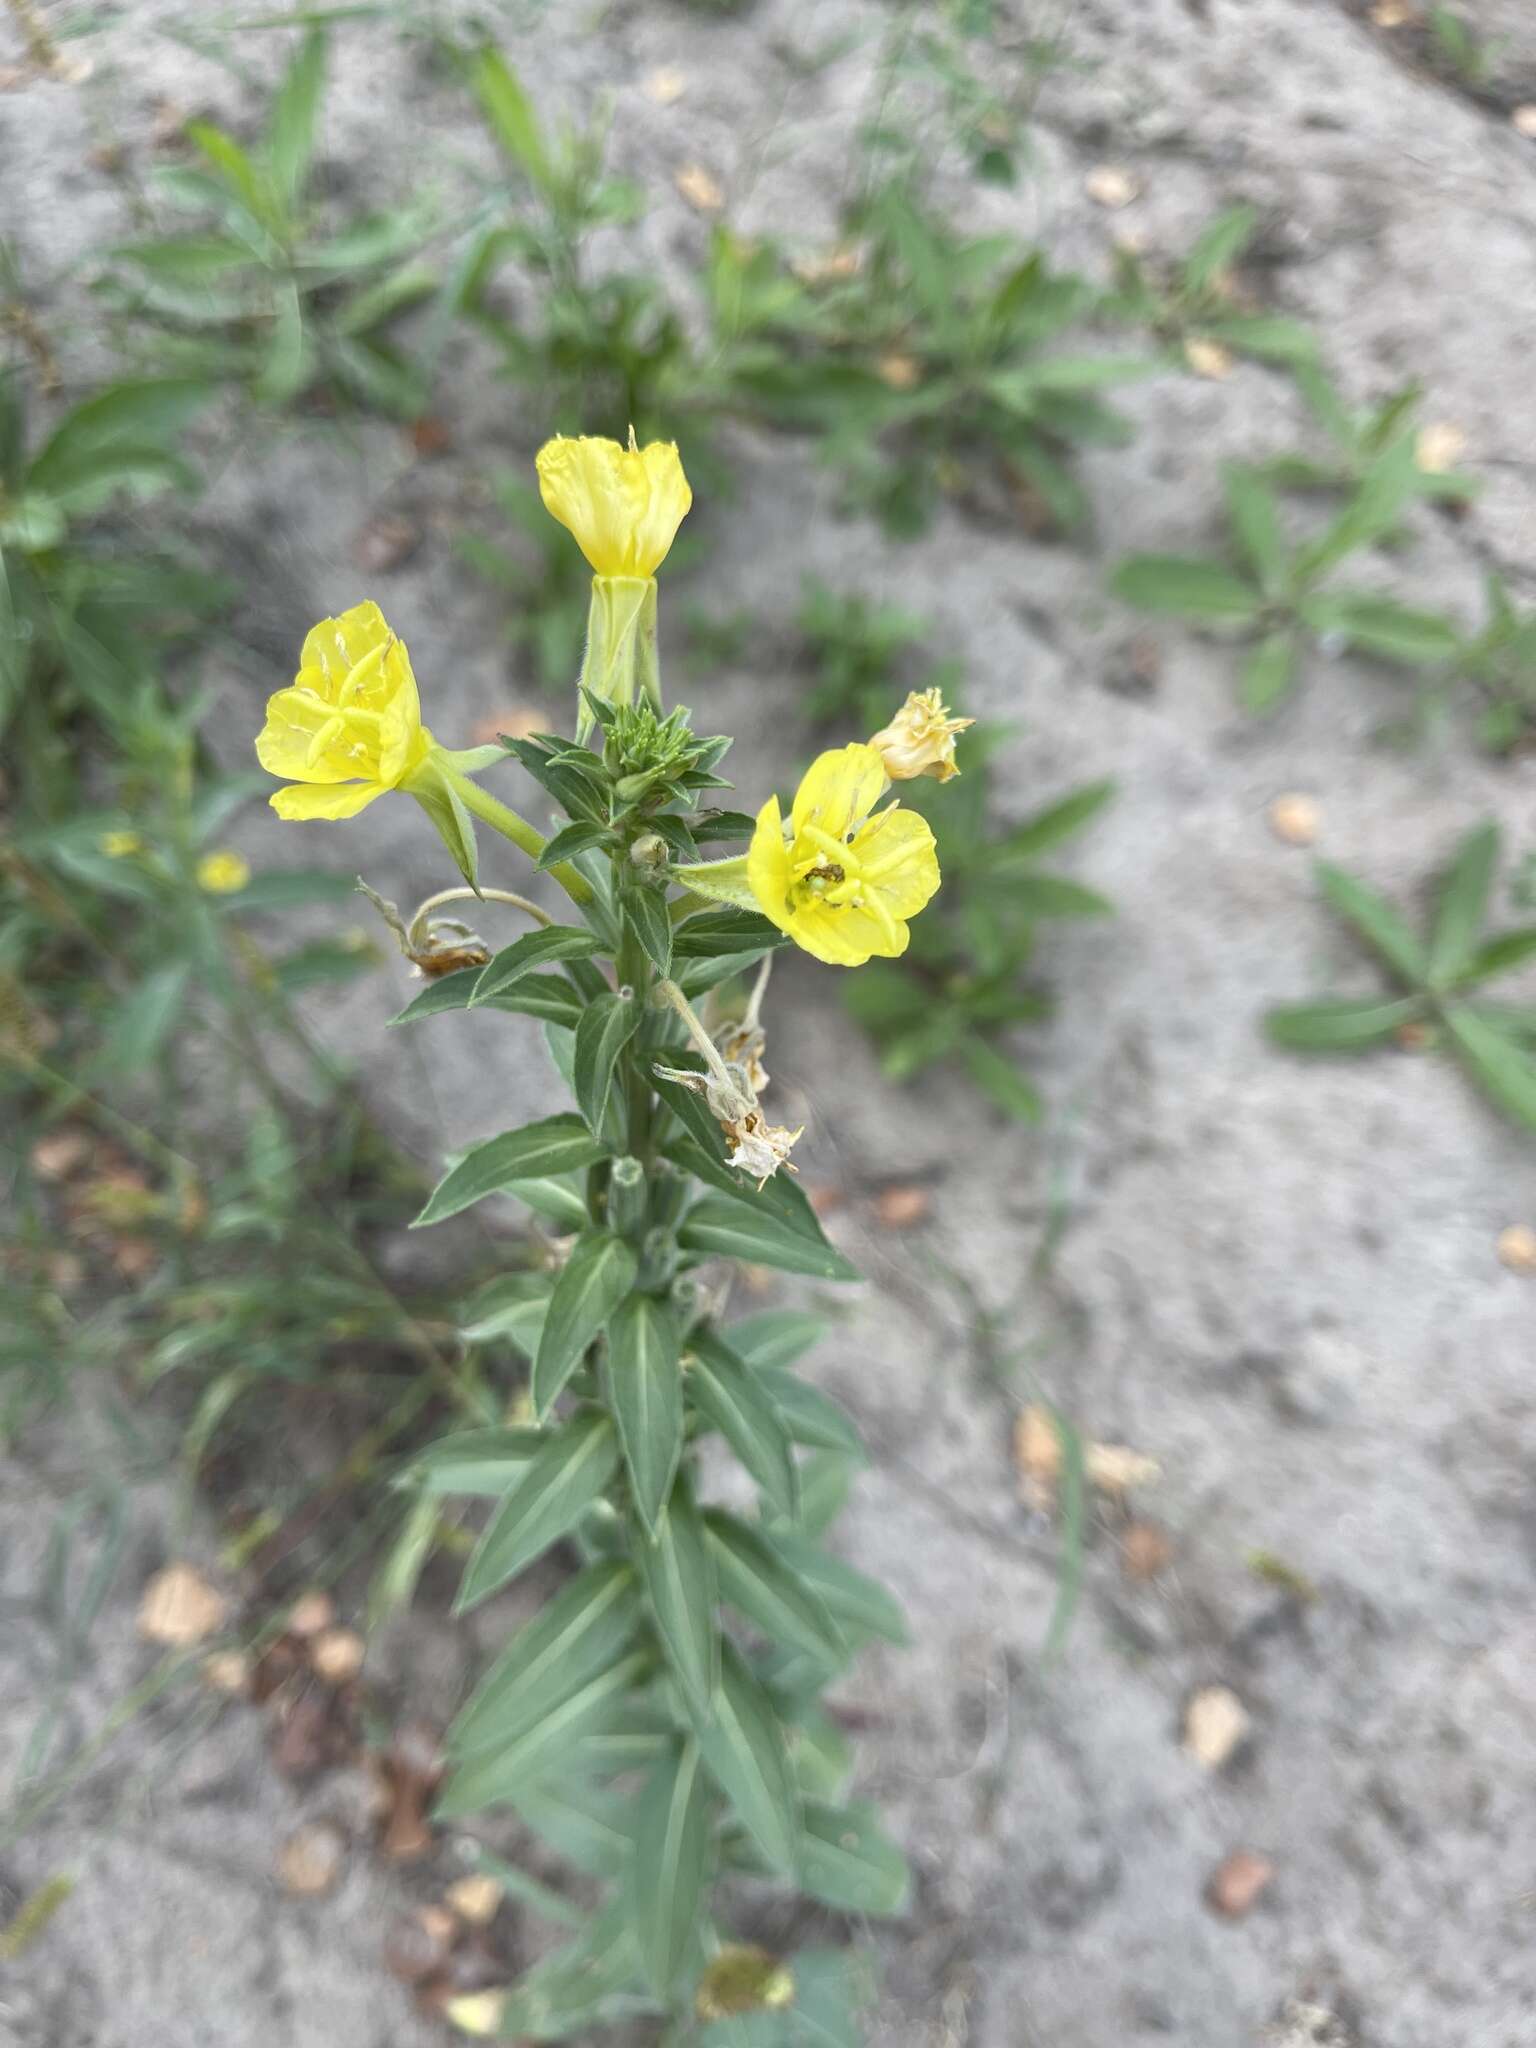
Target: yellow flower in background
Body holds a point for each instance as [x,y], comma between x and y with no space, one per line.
[623,505]
[846,877]
[222,873]
[349,726]
[119,845]
[920,739]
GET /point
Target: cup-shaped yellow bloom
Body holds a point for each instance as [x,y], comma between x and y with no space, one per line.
[349,726]
[845,877]
[920,739]
[624,505]
[223,873]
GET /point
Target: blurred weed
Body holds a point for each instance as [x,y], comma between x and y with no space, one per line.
[262,292]
[1362,442]
[1196,306]
[1457,48]
[1439,978]
[546,583]
[860,654]
[1276,597]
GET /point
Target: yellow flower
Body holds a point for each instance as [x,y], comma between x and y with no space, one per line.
[222,873]
[120,845]
[847,877]
[349,727]
[478,2012]
[920,739]
[624,505]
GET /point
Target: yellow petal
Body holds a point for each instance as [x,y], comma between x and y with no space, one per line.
[840,787]
[623,505]
[896,852]
[325,800]
[768,874]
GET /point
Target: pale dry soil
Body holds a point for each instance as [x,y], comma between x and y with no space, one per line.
[1279,1281]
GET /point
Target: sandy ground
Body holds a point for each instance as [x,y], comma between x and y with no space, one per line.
[1277,1280]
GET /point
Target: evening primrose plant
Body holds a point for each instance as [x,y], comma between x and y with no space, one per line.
[659,1722]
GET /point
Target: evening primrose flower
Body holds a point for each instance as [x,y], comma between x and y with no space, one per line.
[222,873]
[844,878]
[623,505]
[920,739]
[120,845]
[349,726]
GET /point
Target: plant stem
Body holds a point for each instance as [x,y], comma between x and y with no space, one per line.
[632,969]
[503,819]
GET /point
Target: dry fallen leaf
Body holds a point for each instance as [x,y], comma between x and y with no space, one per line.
[1439,446]
[1392,14]
[476,1899]
[57,1155]
[1145,1550]
[430,436]
[901,372]
[1238,1883]
[665,85]
[1517,1248]
[480,2013]
[1295,818]
[702,191]
[831,265]
[337,1655]
[180,1608]
[311,1612]
[384,542]
[1216,1723]
[309,1863]
[1112,185]
[408,1774]
[1038,1454]
[1523,121]
[227,1671]
[899,1208]
[518,722]
[1208,358]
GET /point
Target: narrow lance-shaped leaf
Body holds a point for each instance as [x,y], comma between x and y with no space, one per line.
[554,1145]
[1503,1069]
[643,1376]
[500,1774]
[667,1871]
[678,1571]
[542,948]
[559,1484]
[747,1756]
[722,1227]
[759,1583]
[1461,908]
[579,1634]
[593,1281]
[729,1395]
[847,1861]
[1376,921]
[606,1027]
[1341,1024]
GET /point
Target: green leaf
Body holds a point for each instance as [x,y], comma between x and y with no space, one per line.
[720,1226]
[510,1307]
[1342,1024]
[850,1596]
[1001,1080]
[1268,673]
[500,1775]
[134,415]
[1049,827]
[747,1756]
[581,837]
[606,1027]
[781,1197]
[1499,955]
[142,1024]
[591,1982]
[510,113]
[678,1571]
[1186,588]
[1380,626]
[587,1823]
[811,1417]
[667,1872]
[534,949]
[776,1336]
[1376,921]
[729,1395]
[848,1862]
[556,1144]
[1504,1071]
[563,1479]
[1255,514]
[292,133]
[236,169]
[713,932]
[549,997]
[1461,906]
[688,1106]
[475,1461]
[593,1281]
[1267,335]
[568,1644]
[1217,245]
[644,1380]
[646,912]
[758,1582]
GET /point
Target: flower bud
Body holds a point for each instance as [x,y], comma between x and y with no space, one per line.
[920,739]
